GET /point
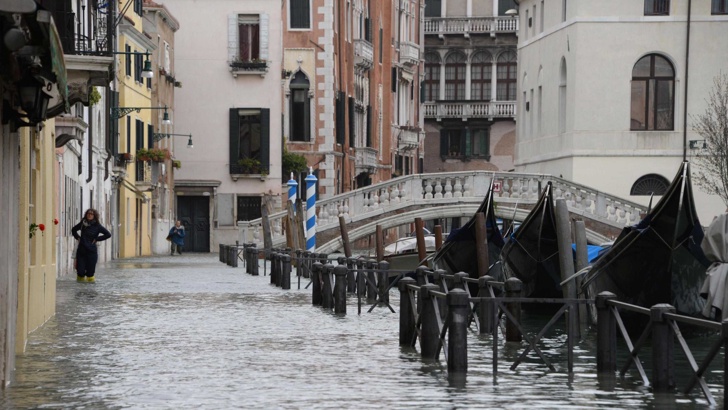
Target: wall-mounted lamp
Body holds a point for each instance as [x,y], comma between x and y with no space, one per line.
[119,112]
[698,144]
[156,137]
[512,12]
[34,93]
[147,70]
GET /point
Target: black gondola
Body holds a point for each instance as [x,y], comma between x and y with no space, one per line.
[531,254]
[659,260]
[459,252]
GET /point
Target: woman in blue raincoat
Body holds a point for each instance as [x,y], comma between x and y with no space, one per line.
[176,236]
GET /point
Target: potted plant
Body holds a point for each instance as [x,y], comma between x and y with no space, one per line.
[292,162]
[177,164]
[249,166]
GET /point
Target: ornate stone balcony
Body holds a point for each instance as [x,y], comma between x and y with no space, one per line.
[407,137]
[475,109]
[470,25]
[366,159]
[409,53]
[363,54]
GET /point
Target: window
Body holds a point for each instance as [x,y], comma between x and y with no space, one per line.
[480,76]
[505,5]
[248,38]
[300,108]
[150,136]
[249,140]
[455,77]
[506,73]
[465,143]
[649,185]
[138,64]
[433,8]
[249,208]
[719,7]
[138,7]
[432,77]
[657,7]
[299,14]
[127,59]
[564,4]
[167,60]
[653,87]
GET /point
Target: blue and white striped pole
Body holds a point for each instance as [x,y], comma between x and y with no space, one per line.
[292,191]
[311,211]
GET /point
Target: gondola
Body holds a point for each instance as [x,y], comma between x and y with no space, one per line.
[659,260]
[459,251]
[531,254]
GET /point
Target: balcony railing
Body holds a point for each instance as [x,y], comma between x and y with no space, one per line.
[366,159]
[258,67]
[471,25]
[98,39]
[363,53]
[409,53]
[486,109]
[406,137]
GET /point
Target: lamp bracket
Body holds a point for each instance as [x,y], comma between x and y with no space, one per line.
[120,112]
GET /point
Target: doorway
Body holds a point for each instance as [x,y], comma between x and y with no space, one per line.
[194,213]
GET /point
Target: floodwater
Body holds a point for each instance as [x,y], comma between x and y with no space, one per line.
[192,333]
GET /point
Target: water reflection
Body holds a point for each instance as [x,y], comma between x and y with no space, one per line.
[195,333]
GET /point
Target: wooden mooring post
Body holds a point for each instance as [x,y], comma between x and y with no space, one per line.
[457,341]
[340,289]
[663,340]
[285,279]
[316,283]
[606,335]
[485,307]
[327,291]
[513,288]
[351,275]
[407,325]
[430,330]
[371,282]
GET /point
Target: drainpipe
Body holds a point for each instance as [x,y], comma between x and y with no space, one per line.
[685,104]
[90,145]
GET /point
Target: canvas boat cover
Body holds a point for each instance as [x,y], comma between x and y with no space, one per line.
[531,254]
[458,253]
[715,286]
[658,260]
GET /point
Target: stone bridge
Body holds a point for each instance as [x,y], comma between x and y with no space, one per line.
[399,201]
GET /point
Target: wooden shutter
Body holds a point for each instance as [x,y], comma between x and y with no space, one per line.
[150,136]
[254,41]
[128,134]
[300,14]
[127,60]
[443,144]
[234,139]
[244,42]
[340,106]
[352,123]
[265,139]
[367,30]
[113,137]
[394,79]
[369,125]
[433,8]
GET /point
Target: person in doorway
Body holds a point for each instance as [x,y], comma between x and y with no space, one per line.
[91,233]
[176,236]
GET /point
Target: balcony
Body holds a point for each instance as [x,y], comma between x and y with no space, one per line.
[466,26]
[407,137]
[363,54]
[475,109]
[409,53]
[256,67]
[366,159]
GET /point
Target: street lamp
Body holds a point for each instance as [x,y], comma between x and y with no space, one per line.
[119,112]
[147,69]
[158,136]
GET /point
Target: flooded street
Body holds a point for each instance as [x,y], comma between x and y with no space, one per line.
[192,333]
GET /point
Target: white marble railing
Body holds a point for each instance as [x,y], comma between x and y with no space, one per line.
[444,109]
[470,25]
[409,53]
[364,52]
[451,189]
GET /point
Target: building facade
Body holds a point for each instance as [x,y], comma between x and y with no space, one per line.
[351,89]
[469,86]
[608,90]
[161,26]
[231,102]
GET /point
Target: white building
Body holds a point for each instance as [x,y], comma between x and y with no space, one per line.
[602,90]
[229,58]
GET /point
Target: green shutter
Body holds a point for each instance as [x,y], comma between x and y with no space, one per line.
[369,125]
[352,124]
[265,139]
[234,139]
[443,144]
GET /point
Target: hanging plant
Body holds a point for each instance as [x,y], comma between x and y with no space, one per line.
[33,228]
[93,97]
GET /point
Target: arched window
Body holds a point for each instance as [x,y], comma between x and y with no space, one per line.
[653,94]
[432,77]
[300,108]
[650,184]
[506,69]
[480,76]
[455,77]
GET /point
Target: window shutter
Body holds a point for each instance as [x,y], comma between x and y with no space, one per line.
[265,139]
[232,37]
[299,14]
[234,138]
[128,134]
[352,123]
[113,138]
[127,60]
[369,125]
[340,106]
[443,143]
[150,136]
[468,143]
[380,43]
[394,79]
[367,32]
[422,92]
[254,41]
[263,51]
[244,36]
